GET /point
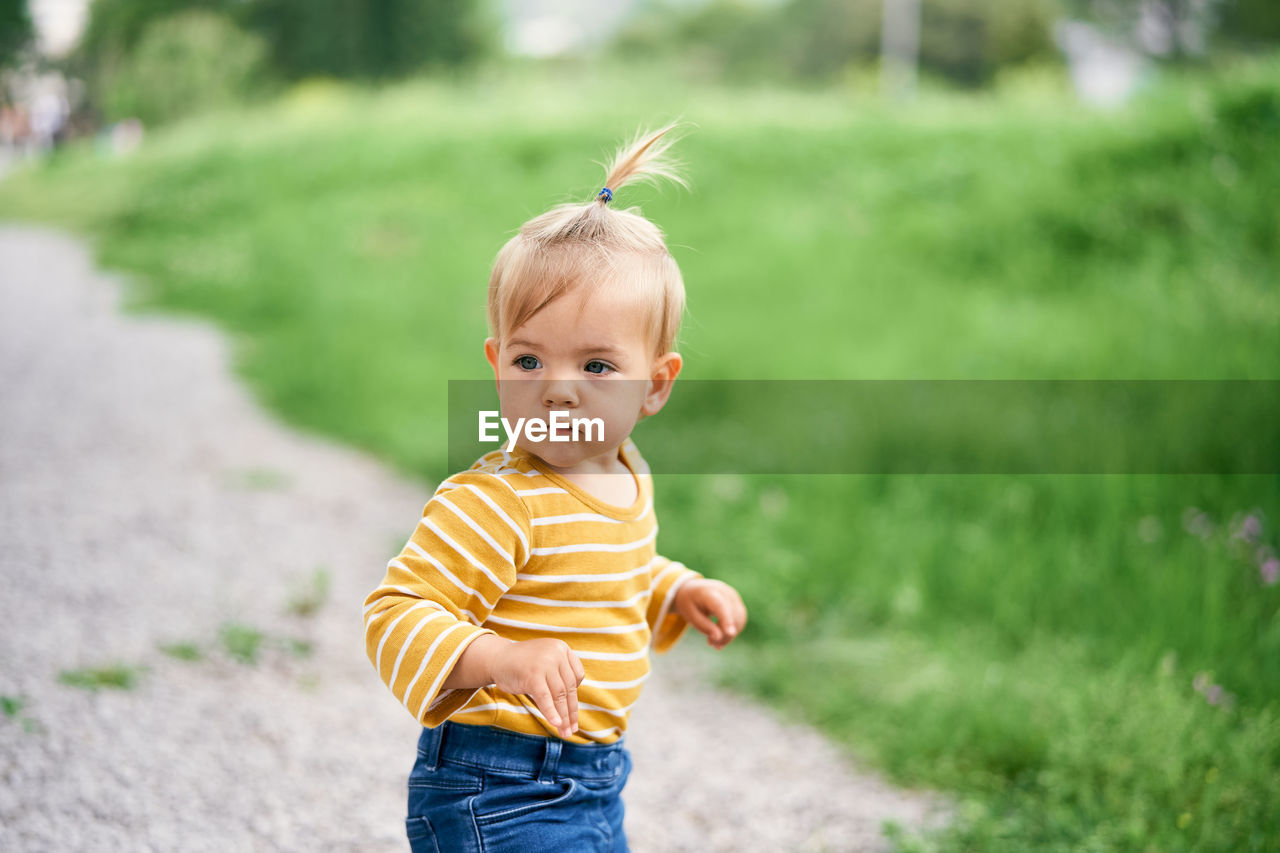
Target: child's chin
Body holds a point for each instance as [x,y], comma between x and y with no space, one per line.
[562,455]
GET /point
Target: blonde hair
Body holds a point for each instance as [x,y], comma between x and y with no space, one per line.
[594,246]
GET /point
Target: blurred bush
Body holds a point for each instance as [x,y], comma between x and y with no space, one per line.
[16,31]
[294,38]
[375,38]
[184,64]
[965,41]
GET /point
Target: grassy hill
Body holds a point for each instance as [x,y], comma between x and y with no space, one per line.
[1092,662]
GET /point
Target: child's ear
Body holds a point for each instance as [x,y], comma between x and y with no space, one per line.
[491,355]
[661,378]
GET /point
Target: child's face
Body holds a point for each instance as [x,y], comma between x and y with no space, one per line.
[588,355]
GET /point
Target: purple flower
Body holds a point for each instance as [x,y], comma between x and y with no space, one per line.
[1214,694]
[1249,529]
[1270,571]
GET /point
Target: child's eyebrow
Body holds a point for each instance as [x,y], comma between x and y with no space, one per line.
[602,349]
[590,349]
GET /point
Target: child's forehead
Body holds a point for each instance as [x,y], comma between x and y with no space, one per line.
[600,316]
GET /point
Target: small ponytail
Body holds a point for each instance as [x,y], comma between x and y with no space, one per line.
[642,159]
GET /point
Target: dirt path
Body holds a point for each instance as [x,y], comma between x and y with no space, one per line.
[145,500]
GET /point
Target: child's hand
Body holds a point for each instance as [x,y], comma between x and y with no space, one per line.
[702,598]
[547,671]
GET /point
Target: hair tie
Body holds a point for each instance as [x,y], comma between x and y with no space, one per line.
[606,194]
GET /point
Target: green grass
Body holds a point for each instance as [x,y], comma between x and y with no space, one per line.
[1043,646]
[242,642]
[183,650]
[117,676]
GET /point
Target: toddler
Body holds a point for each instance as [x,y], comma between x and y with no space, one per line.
[517,621]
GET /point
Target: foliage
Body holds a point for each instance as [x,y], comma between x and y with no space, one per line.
[16,31]
[187,63]
[1250,23]
[965,41]
[371,39]
[1089,662]
[1182,30]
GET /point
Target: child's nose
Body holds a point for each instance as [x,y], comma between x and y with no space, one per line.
[560,394]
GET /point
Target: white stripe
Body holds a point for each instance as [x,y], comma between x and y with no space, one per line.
[515,528]
[551,602]
[607,547]
[600,732]
[386,634]
[548,490]
[615,685]
[480,531]
[448,540]
[532,472]
[504,706]
[616,576]
[670,597]
[404,647]
[613,712]
[607,629]
[408,691]
[448,574]
[577,516]
[638,655]
[445,669]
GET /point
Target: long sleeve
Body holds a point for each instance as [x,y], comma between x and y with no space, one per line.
[463,555]
[666,624]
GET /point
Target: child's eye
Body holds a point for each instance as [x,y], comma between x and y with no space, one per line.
[597,366]
[527,362]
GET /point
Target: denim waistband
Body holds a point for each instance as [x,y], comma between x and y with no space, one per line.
[491,748]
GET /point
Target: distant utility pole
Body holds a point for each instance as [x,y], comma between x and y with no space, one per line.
[899,48]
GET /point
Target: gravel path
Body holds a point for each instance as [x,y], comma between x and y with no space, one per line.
[146,500]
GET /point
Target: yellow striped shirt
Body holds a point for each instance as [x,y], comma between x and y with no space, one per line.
[511,548]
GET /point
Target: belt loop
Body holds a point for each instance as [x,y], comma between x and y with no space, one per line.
[429,746]
[551,760]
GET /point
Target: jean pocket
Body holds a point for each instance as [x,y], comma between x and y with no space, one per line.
[446,777]
[511,800]
[422,837]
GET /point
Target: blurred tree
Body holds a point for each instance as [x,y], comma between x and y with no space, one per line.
[965,41]
[345,38]
[1182,30]
[368,38]
[16,31]
[114,29]
[185,63]
[1251,23]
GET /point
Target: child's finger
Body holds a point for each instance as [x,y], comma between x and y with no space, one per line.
[578,672]
[718,605]
[699,619]
[542,698]
[571,702]
[560,692]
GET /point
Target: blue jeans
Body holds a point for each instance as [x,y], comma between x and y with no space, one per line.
[480,788]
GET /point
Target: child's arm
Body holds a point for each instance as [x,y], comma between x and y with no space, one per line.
[666,623]
[427,611]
